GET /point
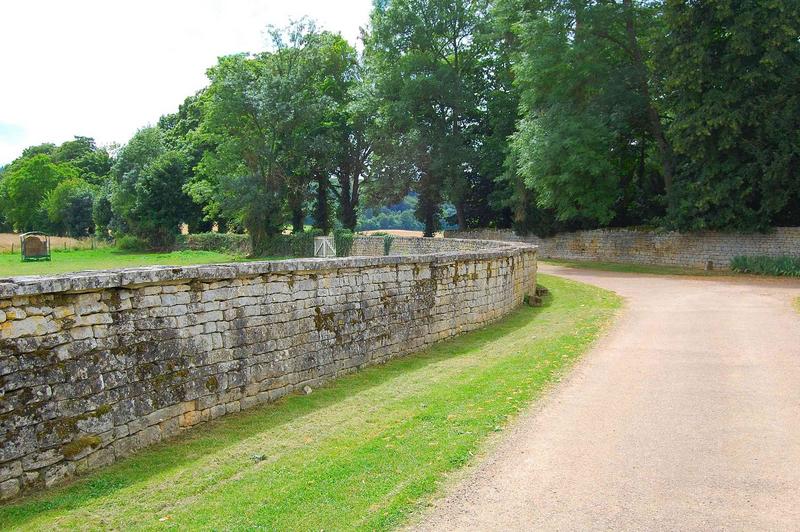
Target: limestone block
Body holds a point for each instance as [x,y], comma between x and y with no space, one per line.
[9,488]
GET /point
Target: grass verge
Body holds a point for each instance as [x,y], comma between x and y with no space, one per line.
[105,258]
[760,265]
[635,268]
[361,453]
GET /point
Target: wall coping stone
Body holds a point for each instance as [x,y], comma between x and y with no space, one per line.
[93,280]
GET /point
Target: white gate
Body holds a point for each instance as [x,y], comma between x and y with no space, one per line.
[324,247]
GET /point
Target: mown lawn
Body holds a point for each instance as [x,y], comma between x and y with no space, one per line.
[362,453]
[103,259]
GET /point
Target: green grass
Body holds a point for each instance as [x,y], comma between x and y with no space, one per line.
[775,266]
[362,453]
[634,268]
[105,258]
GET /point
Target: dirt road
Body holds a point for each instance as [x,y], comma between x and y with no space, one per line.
[685,417]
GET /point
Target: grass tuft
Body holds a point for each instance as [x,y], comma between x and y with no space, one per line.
[361,453]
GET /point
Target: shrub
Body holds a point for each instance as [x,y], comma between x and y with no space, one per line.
[131,243]
[230,243]
[278,245]
[387,243]
[294,245]
[302,244]
[343,241]
[784,266]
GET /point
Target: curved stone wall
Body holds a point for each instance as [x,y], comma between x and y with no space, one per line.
[695,250]
[95,365]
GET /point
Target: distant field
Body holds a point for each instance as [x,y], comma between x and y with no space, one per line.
[106,258]
[7,240]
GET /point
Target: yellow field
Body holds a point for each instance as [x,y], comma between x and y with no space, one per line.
[7,240]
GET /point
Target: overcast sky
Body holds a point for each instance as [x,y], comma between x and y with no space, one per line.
[104,68]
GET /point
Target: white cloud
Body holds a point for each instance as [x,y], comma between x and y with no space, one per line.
[105,68]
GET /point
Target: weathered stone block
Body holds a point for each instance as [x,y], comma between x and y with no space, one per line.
[9,488]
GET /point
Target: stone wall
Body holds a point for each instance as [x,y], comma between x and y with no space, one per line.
[402,245]
[96,365]
[649,247]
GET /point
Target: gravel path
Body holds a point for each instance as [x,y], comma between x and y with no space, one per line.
[685,417]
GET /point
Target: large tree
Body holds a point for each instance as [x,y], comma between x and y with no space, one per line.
[590,142]
[24,186]
[69,207]
[280,123]
[355,148]
[93,162]
[331,134]
[733,80]
[148,197]
[181,133]
[427,70]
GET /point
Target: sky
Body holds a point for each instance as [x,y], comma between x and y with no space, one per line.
[105,68]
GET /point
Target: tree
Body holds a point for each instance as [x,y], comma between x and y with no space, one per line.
[733,87]
[491,201]
[335,135]
[102,211]
[355,140]
[248,121]
[161,205]
[181,133]
[94,163]
[274,118]
[427,71]
[148,198]
[26,184]
[5,225]
[590,142]
[69,207]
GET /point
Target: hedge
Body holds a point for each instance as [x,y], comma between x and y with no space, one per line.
[281,245]
[233,244]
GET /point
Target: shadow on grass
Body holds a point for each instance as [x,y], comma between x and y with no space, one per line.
[185,449]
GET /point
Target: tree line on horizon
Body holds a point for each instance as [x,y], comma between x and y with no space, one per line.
[541,115]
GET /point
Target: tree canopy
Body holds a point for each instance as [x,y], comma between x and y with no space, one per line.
[544,115]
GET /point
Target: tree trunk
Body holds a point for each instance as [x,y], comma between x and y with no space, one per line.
[430,224]
[298,219]
[462,221]
[654,120]
[322,215]
[295,202]
[428,209]
[259,239]
[347,201]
